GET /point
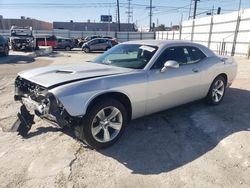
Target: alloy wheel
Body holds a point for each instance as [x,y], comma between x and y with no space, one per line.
[218,90]
[107,124]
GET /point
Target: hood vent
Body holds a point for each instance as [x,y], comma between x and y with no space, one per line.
[64,72]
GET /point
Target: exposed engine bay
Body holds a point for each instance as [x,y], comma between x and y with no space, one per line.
[37,100]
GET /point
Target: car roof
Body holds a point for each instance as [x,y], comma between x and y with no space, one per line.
[162,43]
[98,39]
[158,42]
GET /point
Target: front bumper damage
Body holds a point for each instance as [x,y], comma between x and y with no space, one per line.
[36,100]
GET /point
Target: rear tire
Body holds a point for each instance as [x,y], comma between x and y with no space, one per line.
[103,124]
[216,91]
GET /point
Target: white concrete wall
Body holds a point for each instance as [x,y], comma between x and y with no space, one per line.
[223,30]
[121,36]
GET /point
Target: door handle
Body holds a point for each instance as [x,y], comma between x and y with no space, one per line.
[195,70]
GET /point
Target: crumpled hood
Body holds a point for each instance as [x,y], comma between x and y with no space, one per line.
[57,75]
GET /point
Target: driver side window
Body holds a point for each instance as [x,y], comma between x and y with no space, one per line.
[178,54]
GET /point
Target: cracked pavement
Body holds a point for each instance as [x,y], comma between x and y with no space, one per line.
[194,145]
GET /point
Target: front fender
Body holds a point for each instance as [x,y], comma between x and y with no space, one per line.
[76,96]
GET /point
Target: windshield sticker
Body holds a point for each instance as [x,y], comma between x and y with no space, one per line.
[147,48]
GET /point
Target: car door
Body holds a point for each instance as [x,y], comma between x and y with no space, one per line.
[94,45]
[59,43]
[175,86]
[102,44]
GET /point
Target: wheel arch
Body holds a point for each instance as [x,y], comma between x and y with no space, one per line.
[224,75]
[121,97]
[67,46]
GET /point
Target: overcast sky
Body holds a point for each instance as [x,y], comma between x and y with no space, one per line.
[164,11]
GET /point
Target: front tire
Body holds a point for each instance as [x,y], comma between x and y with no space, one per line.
[103,124]
[6,51]
[86,49]
[217,91]
[67,48]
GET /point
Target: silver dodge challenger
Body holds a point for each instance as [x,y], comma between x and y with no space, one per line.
[133,79]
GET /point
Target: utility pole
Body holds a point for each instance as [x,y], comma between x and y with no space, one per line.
[195,8]
[239,6]
[236,30]
[190,7]
[129,12]
[150,15]
[118,12]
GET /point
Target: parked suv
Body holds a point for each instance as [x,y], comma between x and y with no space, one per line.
[64,43]
[99,44]
[4,46]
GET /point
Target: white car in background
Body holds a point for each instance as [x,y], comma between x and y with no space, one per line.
[131,80]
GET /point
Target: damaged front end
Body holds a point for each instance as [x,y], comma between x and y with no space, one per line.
[37,100]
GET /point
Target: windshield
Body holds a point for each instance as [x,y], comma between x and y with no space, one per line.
[21,32]
[133,56]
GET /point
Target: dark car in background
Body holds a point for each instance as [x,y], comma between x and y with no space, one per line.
[64,43]
[98,44]
[82,40]
[4,46]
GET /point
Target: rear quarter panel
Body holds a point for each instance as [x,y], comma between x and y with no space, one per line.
[214,66]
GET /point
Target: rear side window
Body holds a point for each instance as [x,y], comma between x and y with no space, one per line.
[182,54]
[196,55]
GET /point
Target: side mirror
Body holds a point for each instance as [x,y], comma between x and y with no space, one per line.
[170,64]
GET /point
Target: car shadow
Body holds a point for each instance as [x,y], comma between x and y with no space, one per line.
[17,59]
[168,140]
[44,130]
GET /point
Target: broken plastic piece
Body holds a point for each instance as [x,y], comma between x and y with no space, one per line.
[24,122]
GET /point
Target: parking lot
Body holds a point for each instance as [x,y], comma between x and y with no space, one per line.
[194,145]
